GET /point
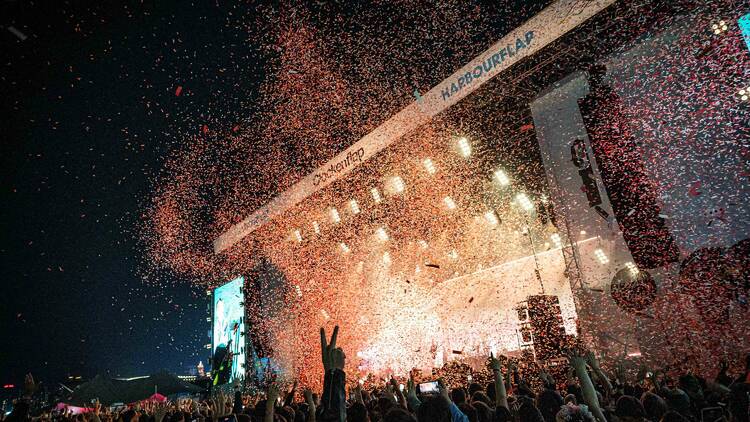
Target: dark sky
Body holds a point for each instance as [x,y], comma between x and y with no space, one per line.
[88,112]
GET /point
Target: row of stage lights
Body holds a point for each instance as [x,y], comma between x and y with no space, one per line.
[396,185]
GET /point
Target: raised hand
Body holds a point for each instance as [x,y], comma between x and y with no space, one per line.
[29,386]
[443,390]
[358,394]
[333,357]
[411,388]
[272,395]
[494,363]
[591,360]
[221,405]
[97,407]
[308,397]
[160,412]
[576,359]
[310,404]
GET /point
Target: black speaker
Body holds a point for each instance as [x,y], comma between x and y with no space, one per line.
[545,318]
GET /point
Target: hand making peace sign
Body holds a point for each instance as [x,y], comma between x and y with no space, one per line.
[333,357]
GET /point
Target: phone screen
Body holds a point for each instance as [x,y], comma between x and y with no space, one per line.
[229,418]
[429,387]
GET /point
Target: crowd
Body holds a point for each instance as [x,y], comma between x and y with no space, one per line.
[579,391]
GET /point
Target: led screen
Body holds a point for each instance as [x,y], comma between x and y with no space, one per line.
[744,23]
[229,325]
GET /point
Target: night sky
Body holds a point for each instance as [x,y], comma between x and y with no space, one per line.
[90,110]
[97,96]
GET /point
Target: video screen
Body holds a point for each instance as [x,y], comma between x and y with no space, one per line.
[228,362]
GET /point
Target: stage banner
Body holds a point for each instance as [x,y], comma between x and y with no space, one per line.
[556,20]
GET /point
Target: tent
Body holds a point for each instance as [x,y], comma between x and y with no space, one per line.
[108,390]
[104,389]
[157,398]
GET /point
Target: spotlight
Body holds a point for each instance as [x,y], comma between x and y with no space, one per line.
[382,234]
[354,206]
[450,203]
[335,217]
[524,201]
[429,166]
[298,236]
[398,184]
[376,195]
[601,256]
[316,227]
[491,217]
[501,177]
[464,146]
[344,247]
[719,27]
[632,267]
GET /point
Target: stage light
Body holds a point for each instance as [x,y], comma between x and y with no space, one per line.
[382,234]
[601,256]
[744,94]
[397,183]
[386,258]
[450,203]
[464,146]
[719,27]
[316,227]
[325,314]
[633,268]
[354,206]
[556,240]
[422,244]
[429,166]
[344,248]
[453,254]
[491,217]
[335,217]
[208,346]
[501,177]
[376,195]
[524,201]
[298,236]
[298,290]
